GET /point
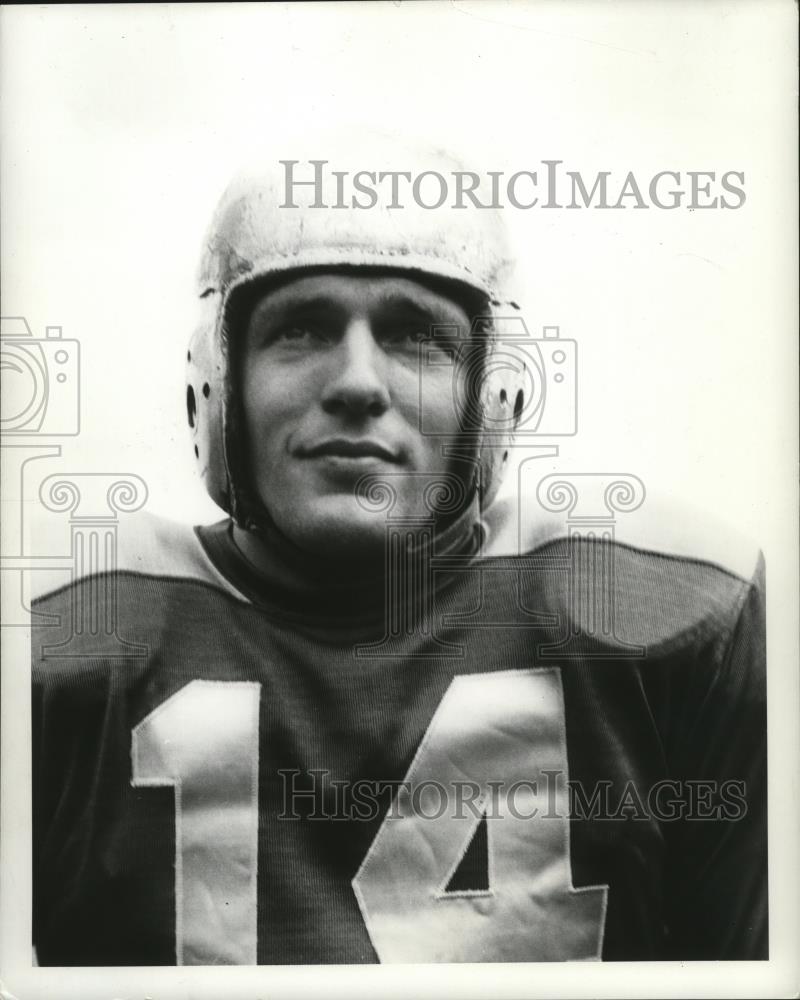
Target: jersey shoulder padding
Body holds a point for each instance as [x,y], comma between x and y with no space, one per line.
[145,545]
[667,574]
[671,529]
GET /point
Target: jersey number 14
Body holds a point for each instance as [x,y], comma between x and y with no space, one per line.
[503,732]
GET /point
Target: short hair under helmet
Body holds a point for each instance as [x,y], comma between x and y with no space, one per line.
[277,218]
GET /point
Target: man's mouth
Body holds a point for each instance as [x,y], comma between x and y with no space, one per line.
[352,448]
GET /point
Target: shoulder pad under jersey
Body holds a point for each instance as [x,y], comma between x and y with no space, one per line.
[677,572]
[676,528]
[145,544]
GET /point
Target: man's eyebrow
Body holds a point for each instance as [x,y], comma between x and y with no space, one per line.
[315,303]
[402,301]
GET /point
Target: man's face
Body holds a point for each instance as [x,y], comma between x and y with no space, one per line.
[332,387]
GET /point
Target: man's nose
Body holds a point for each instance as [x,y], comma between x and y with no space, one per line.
[358,383]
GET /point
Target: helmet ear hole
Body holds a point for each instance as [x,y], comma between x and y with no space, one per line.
[519,402]
[191,406]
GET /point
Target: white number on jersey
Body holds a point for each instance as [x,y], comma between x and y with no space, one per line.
[504,732]
[494,730]
[203,741]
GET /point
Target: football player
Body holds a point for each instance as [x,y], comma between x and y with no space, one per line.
[372,715]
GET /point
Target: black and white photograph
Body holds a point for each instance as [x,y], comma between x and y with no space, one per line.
[399,500]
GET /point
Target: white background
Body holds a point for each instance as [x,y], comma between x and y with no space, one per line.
[120,126]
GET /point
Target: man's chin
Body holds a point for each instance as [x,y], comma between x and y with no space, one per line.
[337,526]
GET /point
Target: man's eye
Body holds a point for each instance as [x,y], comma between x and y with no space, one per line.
[299,332]
[409,336]
[447,347]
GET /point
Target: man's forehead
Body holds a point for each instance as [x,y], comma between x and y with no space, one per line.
[334,289]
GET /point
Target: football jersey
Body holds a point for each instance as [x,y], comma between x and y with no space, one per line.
[558,755]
